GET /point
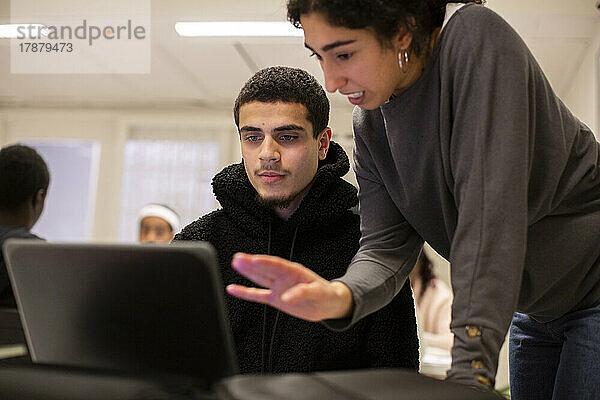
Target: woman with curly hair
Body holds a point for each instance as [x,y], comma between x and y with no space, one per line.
[460,141]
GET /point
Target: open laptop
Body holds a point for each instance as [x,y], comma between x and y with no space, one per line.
[131,308]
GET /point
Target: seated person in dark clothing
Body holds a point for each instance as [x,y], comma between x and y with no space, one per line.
[287,198]
[24,180]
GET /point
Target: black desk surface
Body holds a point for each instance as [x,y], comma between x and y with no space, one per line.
[344,385]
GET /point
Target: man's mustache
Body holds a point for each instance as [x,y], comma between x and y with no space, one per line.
[271,168]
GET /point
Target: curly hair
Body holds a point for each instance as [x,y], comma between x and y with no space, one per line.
[384,17]
[287,85]
[23,173]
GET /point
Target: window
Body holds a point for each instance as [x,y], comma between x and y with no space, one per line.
[175,173]
[69,208]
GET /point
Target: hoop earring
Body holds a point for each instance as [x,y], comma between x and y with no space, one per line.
[403,61]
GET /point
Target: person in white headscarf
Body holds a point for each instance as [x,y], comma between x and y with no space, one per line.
[158,223]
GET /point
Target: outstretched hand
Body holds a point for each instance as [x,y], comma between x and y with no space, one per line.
[291,288]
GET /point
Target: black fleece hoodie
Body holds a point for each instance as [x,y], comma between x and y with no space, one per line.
[323,235]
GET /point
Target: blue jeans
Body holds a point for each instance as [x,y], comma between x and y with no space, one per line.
[558,359]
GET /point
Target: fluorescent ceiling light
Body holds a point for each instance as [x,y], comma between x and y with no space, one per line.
[228,29]
[22,31]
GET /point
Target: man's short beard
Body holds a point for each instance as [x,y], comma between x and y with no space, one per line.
[277,202]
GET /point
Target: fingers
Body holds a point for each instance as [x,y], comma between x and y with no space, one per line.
[290,287]
[300,305]
[250,294]
[271,264]
[255,270]
[265,270]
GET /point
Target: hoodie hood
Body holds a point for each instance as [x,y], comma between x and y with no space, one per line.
[328,199]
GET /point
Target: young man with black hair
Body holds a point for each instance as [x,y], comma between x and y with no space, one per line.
[24,180]
[287,198]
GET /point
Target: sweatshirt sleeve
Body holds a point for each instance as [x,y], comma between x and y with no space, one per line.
[487,68]
[389,246]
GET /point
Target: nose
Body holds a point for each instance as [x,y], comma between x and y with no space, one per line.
[269,151]
[334,80]
[148,236]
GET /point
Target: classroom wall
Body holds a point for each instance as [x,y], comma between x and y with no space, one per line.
[582,95]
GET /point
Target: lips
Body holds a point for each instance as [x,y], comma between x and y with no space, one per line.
[270,176]
[355,98]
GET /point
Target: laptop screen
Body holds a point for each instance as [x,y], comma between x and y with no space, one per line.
[143,308]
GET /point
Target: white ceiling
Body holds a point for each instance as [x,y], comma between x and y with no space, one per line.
[200,72]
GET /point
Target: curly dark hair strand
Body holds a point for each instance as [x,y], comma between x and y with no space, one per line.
[384,17]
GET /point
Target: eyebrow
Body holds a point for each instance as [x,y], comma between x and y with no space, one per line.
[289,127]
[282,128]
[330,46]
[248,128]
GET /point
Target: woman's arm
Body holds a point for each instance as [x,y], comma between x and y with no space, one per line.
[493,80]
[389,246]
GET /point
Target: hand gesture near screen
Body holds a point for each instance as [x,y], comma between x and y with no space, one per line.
[291,288]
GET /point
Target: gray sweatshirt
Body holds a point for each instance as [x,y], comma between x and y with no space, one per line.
[480,159]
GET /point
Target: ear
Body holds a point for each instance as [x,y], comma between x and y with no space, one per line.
[404,37]
[38,206]
[324,140]
[39,198]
